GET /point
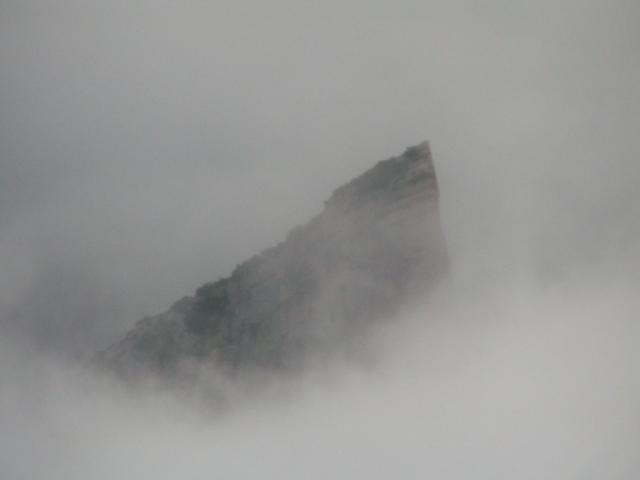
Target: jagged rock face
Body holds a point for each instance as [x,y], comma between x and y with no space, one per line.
[377,243]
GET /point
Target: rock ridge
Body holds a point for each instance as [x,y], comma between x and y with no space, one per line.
[377,243]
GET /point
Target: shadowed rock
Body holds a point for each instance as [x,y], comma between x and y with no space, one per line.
[377,243]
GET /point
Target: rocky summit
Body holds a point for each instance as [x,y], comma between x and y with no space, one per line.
[377,243]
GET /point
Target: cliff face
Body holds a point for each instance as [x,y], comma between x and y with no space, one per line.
[377,243]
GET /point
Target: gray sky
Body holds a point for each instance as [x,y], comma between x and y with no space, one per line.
[149,146]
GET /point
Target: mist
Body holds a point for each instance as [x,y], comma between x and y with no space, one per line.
[149,147]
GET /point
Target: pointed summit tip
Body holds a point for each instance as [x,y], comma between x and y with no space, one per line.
[420,151]
[390,180]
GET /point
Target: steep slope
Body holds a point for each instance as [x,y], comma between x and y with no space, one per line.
[377,242]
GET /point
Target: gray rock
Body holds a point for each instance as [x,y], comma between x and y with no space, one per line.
[377,243]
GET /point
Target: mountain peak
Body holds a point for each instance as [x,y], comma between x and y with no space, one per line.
[390,179]
[377,242]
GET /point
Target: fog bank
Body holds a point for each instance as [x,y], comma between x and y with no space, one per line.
[149,147]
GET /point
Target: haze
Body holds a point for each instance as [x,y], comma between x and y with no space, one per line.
[147,147]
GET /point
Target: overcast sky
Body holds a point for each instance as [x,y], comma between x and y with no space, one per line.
[149,146]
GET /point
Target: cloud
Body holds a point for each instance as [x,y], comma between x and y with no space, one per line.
[148,147]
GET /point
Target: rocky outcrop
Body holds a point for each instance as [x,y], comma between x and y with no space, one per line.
[377,243]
